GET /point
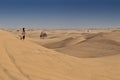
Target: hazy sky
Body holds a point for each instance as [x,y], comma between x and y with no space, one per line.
[59,13]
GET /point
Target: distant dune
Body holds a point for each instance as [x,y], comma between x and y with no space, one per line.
[97,46]
[83,44]
[28,60]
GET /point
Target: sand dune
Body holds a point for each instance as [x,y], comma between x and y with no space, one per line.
[25,60]
[83,44]
[97,46]
[64,43]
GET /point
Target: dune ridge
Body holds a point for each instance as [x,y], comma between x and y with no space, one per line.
[88,45]
[25,60]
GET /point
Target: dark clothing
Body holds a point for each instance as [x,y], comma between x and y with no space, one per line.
[23,34]
[23,37]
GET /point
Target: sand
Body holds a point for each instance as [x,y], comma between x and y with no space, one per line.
[62,55]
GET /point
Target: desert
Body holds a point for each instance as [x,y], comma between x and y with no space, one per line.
[62,55]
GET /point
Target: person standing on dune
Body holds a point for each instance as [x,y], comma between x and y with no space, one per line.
[23,33]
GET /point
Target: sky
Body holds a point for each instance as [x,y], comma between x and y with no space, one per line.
[59,14]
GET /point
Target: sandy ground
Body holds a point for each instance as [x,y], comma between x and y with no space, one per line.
[63,55]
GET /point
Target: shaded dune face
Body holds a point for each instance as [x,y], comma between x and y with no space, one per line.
[92,49]
[92,46]
[59,44]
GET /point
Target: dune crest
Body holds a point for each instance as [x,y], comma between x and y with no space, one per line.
[91,44]
[25,60]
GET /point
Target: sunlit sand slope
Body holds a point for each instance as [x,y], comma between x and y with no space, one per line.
[24,60]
